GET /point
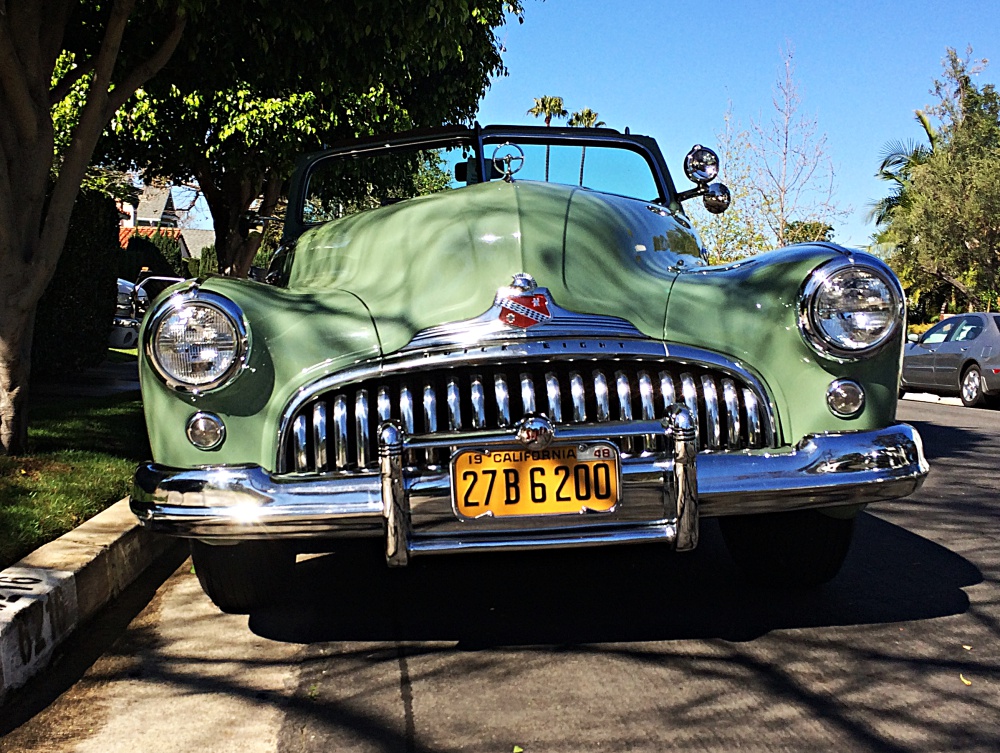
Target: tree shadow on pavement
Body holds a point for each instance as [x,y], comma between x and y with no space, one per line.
[611,595]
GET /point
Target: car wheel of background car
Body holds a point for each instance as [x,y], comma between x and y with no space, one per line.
[241,577]
[971,387]
[799,548]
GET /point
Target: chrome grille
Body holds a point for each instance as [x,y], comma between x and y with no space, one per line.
[485,397]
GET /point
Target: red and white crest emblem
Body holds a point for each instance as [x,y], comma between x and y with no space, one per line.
[524,310]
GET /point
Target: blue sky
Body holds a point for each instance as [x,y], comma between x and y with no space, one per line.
[670,70]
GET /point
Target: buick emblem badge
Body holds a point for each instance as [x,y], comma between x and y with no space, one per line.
[522,304]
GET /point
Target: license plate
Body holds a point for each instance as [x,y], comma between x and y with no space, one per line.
[560,480]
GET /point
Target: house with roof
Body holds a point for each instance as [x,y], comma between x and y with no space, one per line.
[155,213]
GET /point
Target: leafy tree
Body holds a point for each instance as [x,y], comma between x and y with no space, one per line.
[899,158]
[234,114]
[548,107]
[117,47]
[947,232]
[808,231]
[585,118]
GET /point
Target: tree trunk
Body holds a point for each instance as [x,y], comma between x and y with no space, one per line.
[16,331]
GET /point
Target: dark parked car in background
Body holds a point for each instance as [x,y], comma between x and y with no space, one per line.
[960,355]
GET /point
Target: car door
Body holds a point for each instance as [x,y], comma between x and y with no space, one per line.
[918,359]
[953,352]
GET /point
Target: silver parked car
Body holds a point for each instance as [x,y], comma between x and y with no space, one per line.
[960,355]
[131,305]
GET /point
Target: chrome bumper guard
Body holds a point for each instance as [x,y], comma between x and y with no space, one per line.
[662,498]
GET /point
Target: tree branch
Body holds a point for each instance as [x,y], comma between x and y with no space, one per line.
[145,70]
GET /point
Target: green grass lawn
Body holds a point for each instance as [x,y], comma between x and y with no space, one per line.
[82,453]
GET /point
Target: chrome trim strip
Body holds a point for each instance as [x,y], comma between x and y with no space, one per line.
[301,445]
[319,435]
[553,393]
[478,402]
[714,429]
[732,402]
[245,502]
[361,427]
[502,395]
[340,431]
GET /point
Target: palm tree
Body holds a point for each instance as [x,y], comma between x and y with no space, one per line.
[899,158]
[548,107]
[585,118]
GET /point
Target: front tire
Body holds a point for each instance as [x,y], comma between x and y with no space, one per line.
[239,578]
[971,387]
[798,548]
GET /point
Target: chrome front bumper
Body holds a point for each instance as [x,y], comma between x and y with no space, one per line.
[662,499]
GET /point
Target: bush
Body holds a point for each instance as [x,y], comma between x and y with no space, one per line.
[158,252]
[76,311]
[209,262]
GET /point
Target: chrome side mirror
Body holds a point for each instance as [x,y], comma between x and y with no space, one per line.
[701,165]
[913,337]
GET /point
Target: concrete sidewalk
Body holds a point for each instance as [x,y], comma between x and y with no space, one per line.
[58,587]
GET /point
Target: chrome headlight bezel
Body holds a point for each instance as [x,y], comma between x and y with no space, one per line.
[813,332]
[221,305]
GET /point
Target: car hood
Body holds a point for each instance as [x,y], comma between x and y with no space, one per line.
[442,257]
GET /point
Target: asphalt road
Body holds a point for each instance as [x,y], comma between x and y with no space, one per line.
[632,649]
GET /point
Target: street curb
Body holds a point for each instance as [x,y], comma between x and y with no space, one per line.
[59,586]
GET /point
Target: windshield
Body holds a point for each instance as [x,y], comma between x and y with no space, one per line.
[375,176]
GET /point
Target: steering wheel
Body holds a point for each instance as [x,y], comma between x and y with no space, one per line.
[510,162]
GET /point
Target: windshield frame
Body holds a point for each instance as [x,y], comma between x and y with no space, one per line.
[479,140]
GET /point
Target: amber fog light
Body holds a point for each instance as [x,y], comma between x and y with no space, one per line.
[206,431]
[845,398]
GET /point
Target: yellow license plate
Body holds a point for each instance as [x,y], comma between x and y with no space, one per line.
[560,480]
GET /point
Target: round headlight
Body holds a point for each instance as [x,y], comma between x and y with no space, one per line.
[849,310]
[198,342]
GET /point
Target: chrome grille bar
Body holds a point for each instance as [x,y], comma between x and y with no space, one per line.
[406,409]
[753,418]
[340,431]
[361,427]
[478,402]
[713,429]
[430,409]
[601,393]
[732,401]
[319,435]
[502,395]
[555,398]
[384,404]
[690,394]
[527,393]
[579,397]
[301,447]
[624,396]
[454,406]
[667,390]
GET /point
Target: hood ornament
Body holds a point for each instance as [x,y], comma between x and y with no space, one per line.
[523,304]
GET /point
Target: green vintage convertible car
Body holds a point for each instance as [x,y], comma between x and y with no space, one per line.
[504,338]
